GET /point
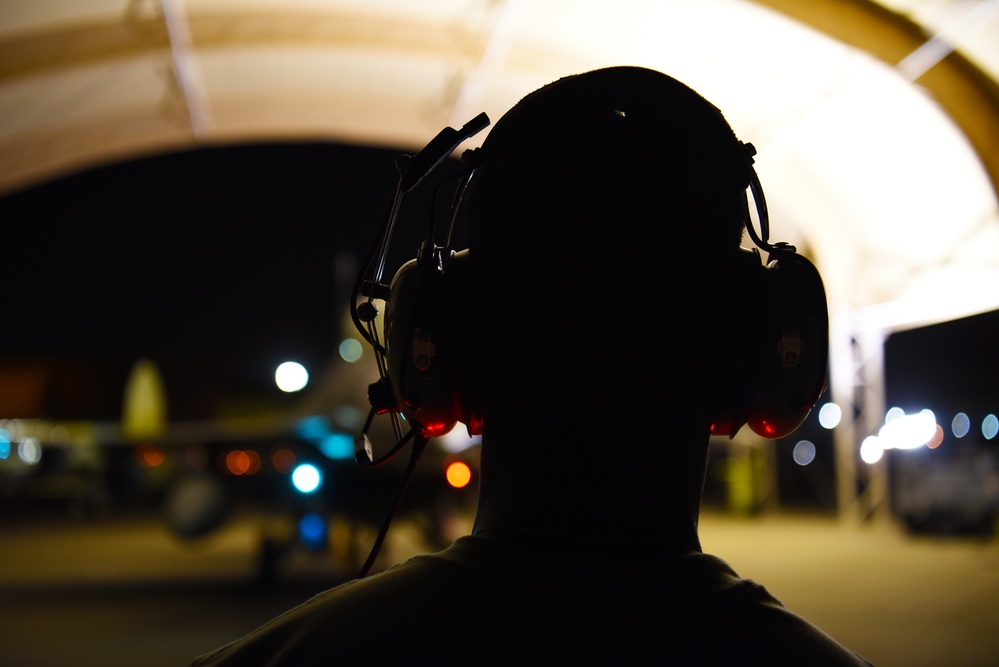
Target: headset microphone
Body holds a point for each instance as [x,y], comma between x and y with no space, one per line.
[410,338]
[416,168]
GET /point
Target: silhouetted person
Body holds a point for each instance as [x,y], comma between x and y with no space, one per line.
[604,230]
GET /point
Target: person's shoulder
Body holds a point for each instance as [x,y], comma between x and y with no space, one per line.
[347,622]
[503,595]
[759,629]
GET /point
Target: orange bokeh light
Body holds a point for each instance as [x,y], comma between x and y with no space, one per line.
[242,462]
[283,460]
[150,455]
[937,438]
[458,474]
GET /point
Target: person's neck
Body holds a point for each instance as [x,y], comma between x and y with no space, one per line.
[589,488]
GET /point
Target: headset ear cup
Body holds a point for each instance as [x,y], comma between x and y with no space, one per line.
[741,360]
[796,349]
[461,335]
[422,378]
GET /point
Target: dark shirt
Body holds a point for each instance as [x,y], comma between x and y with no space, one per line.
[492,600]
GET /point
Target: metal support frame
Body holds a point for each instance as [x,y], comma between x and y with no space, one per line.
[184,68]
[857,379]
[504,25]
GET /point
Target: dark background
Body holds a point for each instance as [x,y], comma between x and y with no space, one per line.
[218,263]
[954,365]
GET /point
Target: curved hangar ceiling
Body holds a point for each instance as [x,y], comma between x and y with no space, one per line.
[877,124]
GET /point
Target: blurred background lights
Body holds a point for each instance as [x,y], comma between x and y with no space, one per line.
[830,415]
[242,462]
[29,451]
[871,450]
[317,430]
[149,455]
[283,460]
[960,425]
[894,413]
[350,350]
[196,457]
[804,452]
[349,417]
[458,474]
[59,434]
[312,531]
[937,439]
[457,440]
[337,446]
[990,427]
[11,427]
[4,444]
[291,376]
[306,478]
[908,431]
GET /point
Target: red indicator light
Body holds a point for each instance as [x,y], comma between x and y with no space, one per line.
[435,429]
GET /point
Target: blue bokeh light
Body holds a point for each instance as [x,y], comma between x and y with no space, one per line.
[312,531]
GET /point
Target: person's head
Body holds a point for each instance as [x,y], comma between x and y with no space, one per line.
[603,222]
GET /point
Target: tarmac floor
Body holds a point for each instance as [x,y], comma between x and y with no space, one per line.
[125,591]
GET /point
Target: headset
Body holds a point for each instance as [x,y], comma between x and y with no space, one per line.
[418,374]
[775,367]
[780,368]
[416,371]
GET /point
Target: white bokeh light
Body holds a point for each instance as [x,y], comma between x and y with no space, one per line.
[291,376]
[306,478]
[830,415]
[908,431]
[960,425]
[990,427]
[29,450]
[457,440]
[350,350]
[871,450]
[804,453]
[893,414]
